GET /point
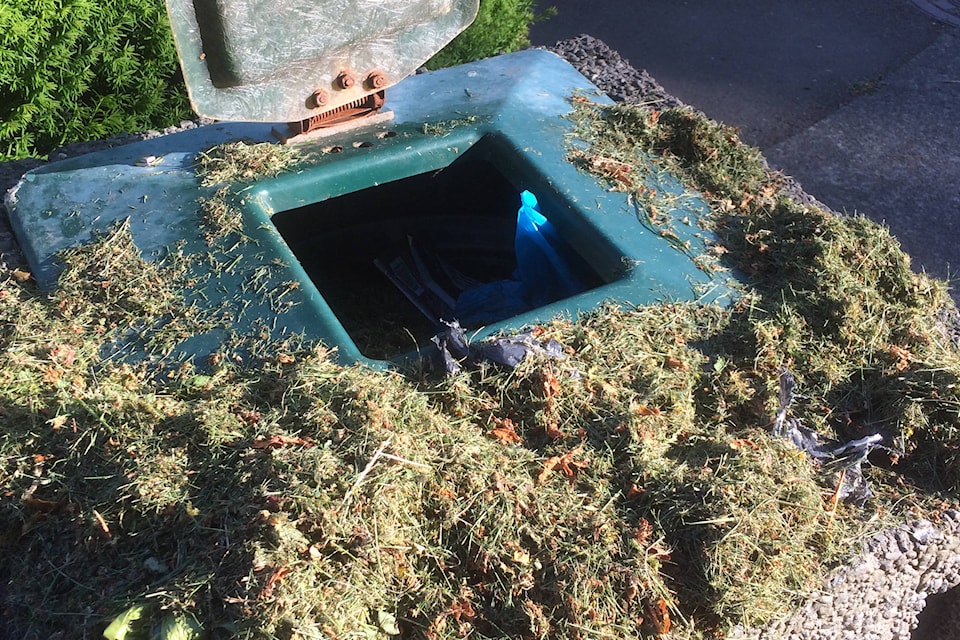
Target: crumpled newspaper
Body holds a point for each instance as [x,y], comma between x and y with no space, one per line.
[509,351]
[845,457]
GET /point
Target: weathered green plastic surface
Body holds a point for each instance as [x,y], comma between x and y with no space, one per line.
[260,60]
[517,101]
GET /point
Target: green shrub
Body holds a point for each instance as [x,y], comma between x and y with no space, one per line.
[74,70]
[501,26]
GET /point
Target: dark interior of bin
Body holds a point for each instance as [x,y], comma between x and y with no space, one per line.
[466,213]
[938,619]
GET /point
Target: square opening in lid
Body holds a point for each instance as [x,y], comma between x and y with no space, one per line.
[392,260]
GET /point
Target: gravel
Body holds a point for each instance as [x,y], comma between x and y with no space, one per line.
[903,584]
[883,594]
[605,68]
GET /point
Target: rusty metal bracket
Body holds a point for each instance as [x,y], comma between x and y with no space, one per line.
[361,108]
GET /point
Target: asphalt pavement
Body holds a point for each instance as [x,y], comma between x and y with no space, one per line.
[859,100]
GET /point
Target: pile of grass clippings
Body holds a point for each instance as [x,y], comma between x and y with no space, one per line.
[631,489]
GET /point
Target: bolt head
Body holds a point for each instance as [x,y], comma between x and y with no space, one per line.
[346,80]
[377,79]
[318,98]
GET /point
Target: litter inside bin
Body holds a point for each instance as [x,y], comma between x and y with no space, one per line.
[546,271]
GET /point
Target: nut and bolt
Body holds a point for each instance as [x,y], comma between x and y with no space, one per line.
[346,80]
[318,98]
[376,79]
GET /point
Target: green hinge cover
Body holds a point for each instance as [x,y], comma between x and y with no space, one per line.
[288,60]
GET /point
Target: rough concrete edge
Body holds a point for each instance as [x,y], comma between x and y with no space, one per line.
[881,592]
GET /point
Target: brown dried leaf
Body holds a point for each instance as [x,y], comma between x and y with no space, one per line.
[676,363]
[609,168]
[278,574]
[63,354]
[565,463]
[249,417]
[662,620]
[635,491]
[551,386]
[643,532]
[644,410]
[553,431]
[904,357]
[446,493]
[462,610]
[548,468]
[505,432]
[520,555]
[655,216]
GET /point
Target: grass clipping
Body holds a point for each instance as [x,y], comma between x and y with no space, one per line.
[632,489]
[226,170]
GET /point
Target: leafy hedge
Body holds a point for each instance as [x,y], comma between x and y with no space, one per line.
[75,70]
[501,26]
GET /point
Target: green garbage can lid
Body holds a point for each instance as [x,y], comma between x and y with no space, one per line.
[288,60]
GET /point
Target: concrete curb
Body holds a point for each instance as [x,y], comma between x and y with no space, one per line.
[894,156]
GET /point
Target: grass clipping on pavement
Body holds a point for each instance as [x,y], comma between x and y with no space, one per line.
[632,489]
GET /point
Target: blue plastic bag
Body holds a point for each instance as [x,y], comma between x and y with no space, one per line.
[543,258]
[543,274]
